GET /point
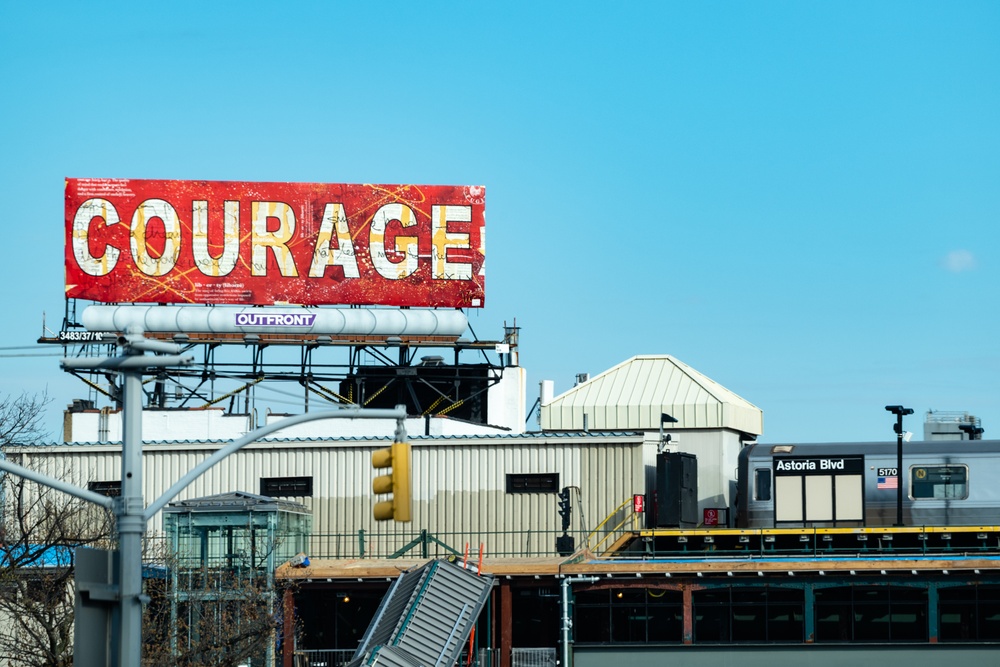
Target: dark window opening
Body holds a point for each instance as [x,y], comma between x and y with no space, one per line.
[749,615]
[110,489]
[871,614]
[533,483]
[628,616]
[969,613]
[336,618]
[287,487]
[533,610]
[48,591]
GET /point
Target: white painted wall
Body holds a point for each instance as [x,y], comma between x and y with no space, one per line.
[106,425]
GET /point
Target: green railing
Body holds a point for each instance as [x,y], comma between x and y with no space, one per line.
[620,522]
[427,544]
[423,543]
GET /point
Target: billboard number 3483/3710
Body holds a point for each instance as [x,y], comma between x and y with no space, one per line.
[224,242]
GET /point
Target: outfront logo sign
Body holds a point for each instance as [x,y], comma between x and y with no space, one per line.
[215,242]
[275,319]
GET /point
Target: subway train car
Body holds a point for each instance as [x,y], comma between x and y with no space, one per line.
[814,485]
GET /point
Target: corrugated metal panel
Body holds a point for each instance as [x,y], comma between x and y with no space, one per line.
[459,484]
[425,618]
[634,394]
[446,610]
[390,612]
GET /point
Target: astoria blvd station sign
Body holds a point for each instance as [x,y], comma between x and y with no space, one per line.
[215,242]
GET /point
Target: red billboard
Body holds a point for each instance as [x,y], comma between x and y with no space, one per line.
[221,242]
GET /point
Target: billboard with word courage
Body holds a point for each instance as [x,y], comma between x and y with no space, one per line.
[220,242]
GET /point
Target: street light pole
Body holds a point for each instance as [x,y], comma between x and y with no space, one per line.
[130,510]
[130,513]
[899,411]
[131,523]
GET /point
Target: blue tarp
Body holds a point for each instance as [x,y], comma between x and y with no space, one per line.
[36,555]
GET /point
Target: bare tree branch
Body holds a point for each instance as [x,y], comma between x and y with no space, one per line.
[39,528]
[220,616]
[21,418]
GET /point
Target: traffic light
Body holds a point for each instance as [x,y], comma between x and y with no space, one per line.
[397,482]
[564,508]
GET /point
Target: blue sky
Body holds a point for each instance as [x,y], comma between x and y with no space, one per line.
[798,199]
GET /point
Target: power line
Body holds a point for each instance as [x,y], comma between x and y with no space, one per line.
[40,354]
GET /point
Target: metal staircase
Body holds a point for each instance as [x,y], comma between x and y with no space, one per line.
[425,618]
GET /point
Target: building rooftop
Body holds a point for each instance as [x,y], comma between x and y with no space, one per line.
[635,393]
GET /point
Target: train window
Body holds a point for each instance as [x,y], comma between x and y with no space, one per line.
[762,484]
[939,482]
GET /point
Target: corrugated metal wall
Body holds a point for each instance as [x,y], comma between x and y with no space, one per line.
[459,485]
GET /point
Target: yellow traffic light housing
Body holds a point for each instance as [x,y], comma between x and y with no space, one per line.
[397,482]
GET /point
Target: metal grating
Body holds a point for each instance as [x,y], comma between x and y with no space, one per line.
[533,657]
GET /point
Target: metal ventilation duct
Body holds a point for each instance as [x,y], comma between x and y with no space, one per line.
[291,319]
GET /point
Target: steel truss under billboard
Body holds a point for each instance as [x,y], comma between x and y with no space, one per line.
[215,242]
[331,356]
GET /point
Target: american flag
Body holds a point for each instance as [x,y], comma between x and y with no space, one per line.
[888,482]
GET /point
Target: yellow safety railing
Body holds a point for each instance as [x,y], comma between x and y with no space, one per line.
[621,521]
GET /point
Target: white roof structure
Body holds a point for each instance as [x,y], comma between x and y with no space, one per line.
[634,394]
